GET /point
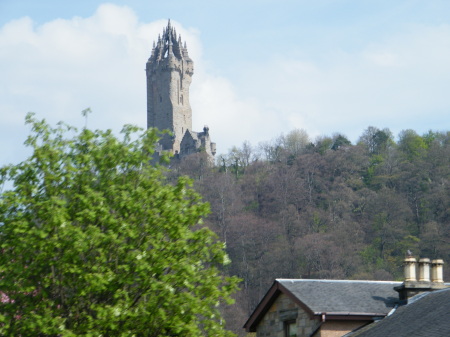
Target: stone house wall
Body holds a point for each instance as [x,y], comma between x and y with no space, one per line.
[282,311]
[285,310]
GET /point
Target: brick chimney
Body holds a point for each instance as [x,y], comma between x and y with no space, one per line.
[412,286]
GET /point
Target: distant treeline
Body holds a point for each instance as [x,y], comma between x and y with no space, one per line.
[296,208]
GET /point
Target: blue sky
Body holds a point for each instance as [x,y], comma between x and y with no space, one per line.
[262,68]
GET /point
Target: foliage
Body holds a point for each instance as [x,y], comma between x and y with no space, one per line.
[330,209]
[376,141]
[411,144]
[340,141]
[96,243]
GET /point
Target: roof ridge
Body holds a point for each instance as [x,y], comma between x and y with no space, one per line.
[336,281]
[418,297]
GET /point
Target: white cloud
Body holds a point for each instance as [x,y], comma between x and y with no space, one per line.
[231,119]
[383,58]
[398,83]
[63,66]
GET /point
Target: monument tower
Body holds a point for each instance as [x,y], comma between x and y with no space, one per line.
[169,72]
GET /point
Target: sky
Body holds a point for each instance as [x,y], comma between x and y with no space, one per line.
[262,68]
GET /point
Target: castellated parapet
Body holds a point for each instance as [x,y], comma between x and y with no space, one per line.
[169,73]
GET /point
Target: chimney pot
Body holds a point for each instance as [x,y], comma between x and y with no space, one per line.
[437,273]
[410,269]
[424,270]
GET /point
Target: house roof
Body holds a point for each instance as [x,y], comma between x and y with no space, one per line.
[336,299]
[328,296]
[426,314]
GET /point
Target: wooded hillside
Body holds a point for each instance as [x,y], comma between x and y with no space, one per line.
[292,208]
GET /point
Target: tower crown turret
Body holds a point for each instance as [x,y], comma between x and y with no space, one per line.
[169,45]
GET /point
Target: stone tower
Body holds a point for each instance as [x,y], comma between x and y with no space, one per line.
[169,72]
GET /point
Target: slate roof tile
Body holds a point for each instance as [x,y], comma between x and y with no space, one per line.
[342,296]
[426,314]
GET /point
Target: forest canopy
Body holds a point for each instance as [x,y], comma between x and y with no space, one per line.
[294,207]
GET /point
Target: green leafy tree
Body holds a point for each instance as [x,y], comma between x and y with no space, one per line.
[323,144]
[376,141]
[411,144]
[295,142]
[95,242]
[340,141]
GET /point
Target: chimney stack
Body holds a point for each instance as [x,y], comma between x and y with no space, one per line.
[413,286]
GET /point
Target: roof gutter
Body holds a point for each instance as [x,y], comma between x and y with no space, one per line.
[349,315]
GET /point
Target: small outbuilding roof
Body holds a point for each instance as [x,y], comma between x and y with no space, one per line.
[336,299]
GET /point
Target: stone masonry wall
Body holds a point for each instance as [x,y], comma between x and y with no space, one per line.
[168,102]
[282,310]
[182,113]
